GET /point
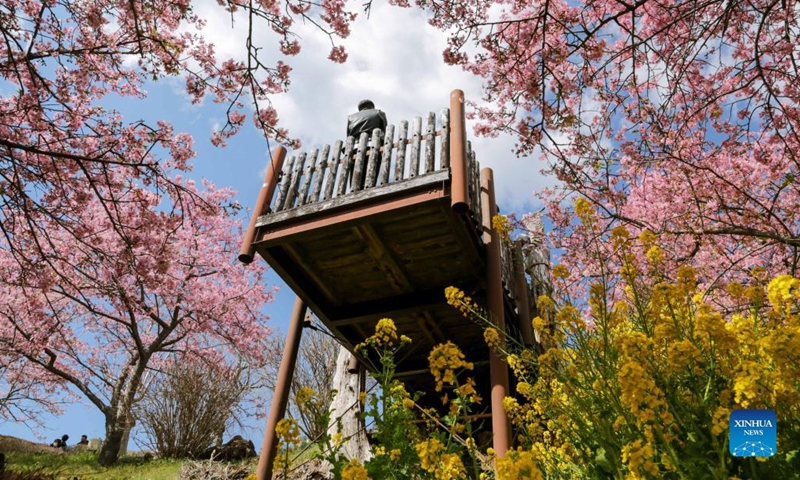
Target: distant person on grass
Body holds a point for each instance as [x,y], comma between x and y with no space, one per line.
[84,440]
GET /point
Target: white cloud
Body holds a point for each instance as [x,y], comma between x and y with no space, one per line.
[395,60]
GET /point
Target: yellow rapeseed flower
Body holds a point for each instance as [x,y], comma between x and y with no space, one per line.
[428,452]
[584,211]
[288,432]
[517,465]
[783,291]
[560,272]
[354,471]
[492,337]
[444,360]
[503,227]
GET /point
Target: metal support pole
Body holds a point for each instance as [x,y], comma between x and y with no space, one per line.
[498,370]
[458,153]
[280,397]
[521,292]
[262,203]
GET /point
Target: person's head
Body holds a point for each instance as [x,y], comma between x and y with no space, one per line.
[365,105]
[64,438]
[83,438]
[57,442]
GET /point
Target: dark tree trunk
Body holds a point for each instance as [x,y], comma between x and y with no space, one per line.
[109,453]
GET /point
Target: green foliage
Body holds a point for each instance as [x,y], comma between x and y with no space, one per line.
[408,442]
[56,465]
[639,382]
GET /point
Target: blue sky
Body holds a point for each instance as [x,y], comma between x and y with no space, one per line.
[395,60]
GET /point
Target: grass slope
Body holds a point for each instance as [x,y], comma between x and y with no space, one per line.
[38,461]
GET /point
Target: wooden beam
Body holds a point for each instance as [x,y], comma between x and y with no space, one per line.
[396,306]
[434,326]
[394,273]
[298,281]
[299,259]
[420,371]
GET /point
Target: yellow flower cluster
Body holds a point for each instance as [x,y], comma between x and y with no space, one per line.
[720,420]
[429,452]
[445,360]
[639,458]
[385,336]
[354,471]
[492,338]
[517,465]
[560,272]
[433,459]
[457,298]
[584,211]
[467,390]
[783,293]
[288,432]
[502,226]
[304,396]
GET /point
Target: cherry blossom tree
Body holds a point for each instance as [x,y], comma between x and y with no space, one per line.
[110,260]
[59,61]
[167,283]
[681,118]
[24,397]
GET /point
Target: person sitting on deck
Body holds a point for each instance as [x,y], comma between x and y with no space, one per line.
[367,119]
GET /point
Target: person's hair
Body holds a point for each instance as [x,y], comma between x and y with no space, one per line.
[365,105]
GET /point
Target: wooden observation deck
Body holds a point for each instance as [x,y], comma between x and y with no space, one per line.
[420,222]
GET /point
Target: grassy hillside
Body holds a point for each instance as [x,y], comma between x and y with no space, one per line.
[27,460]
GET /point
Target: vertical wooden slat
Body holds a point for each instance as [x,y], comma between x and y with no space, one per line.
[359,168]
[400,162]
[475,173]
[430,142]
[320,172]
[386,161]
[346,166]
[473,187]
[286,179]
[312,167]
[416,134]
[296,174]
[445,155]
[330,184]
[374,158]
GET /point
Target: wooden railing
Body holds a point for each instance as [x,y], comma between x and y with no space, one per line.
[380,159]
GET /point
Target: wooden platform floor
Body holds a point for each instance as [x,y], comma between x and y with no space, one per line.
[387,252]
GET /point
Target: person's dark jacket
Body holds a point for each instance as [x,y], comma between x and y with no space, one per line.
[365,121]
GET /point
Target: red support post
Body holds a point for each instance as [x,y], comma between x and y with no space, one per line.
[280,397]
[458,154]
[498,370]
[248,251]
